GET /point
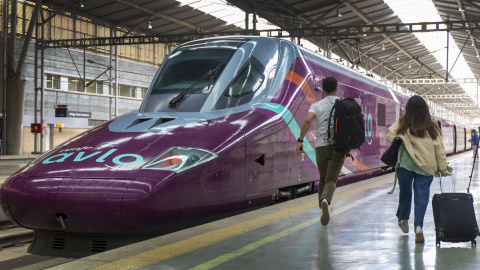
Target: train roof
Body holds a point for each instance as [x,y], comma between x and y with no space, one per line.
[324,60]
[352,73]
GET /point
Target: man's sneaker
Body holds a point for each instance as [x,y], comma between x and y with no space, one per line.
[419,235]
[403,225]
[325,218]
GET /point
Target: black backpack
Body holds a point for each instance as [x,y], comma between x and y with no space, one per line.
[349,128]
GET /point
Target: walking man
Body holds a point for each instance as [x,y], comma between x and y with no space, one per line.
[329,160]
[474,142]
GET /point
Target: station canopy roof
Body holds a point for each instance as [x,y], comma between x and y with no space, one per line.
[390,44]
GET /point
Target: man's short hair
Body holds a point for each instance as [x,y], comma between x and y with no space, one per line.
[329,84]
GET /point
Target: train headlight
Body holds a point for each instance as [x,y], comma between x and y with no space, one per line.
[180,159]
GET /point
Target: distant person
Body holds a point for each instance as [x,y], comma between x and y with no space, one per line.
[474,141]
[420,157]
[329,160]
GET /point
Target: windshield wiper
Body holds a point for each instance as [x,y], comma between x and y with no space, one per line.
[176,100]
[214,75]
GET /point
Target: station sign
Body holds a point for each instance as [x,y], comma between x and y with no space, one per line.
[78,114]
[61,110]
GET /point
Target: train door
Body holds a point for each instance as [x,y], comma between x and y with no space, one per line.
[454,139]
[271,160]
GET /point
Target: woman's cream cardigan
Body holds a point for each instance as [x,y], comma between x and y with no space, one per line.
[428,154]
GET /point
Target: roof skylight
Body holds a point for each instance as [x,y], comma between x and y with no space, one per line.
[410,11]
[235,16]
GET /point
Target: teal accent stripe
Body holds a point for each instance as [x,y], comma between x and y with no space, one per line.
[292,125]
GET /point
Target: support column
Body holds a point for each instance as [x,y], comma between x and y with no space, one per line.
[4,74]
[116,77]
[15,110]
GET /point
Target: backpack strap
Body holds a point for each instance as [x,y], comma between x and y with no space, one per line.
[330,119]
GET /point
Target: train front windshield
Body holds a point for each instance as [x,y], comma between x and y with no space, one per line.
[187,79]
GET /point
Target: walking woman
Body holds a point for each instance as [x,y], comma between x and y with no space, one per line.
[421,156]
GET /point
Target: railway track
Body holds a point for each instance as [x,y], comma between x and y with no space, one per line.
[14,242]
[11,235]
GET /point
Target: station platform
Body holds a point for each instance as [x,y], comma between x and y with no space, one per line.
[362,234]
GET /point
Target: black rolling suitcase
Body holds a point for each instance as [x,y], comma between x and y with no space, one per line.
[454,217]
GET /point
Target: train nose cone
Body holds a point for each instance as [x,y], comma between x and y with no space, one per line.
[83,205]
[31,201]
[91,205]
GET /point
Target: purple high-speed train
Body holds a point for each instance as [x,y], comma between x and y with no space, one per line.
[216,134]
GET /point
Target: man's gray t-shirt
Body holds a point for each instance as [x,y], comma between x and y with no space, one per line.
[322,110]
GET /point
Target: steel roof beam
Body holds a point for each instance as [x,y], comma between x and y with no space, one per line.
[160,15]
[452,96]
[303,32]
[324,14]
[399,67]
[435,81]
[141,16]
[385,60]
[396,44]
[459,105]
[58,11]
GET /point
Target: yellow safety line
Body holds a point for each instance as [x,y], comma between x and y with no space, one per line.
[248,248]
[237,253]
[176,249]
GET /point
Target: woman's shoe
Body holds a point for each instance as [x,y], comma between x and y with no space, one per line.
[402,227]
[419,235]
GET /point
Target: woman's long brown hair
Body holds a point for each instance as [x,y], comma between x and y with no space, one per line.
[417,119]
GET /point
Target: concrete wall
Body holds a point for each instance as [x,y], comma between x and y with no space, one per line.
[58,61]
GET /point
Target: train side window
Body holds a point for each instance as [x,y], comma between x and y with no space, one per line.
[247,82]
[381,115]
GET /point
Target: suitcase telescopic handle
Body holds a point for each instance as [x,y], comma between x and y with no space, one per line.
[453,183]
[441,187]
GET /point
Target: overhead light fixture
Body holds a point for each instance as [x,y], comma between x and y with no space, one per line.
[473,43]
[81,4]
[338,13]
[478,55]
[383,47]
[460,8]
[409,65]
[397,58]
[149,25]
